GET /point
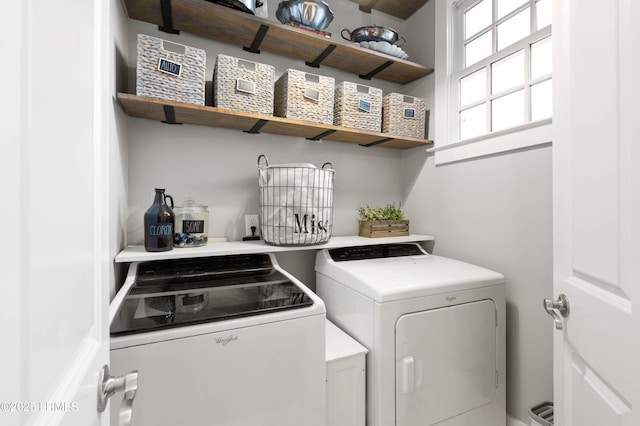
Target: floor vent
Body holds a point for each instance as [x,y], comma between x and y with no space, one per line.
[542,415]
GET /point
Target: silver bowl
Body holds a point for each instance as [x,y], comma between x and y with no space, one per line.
[309,13]
[374,33]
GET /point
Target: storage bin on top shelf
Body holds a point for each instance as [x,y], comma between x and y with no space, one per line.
[357,106]
[301,95]
[243,85]
[404,115]
[166,74]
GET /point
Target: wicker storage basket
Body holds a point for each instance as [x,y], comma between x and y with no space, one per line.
[296,203]
[165,74]
[243,85]
[303,96]
[404,115]
[357,106]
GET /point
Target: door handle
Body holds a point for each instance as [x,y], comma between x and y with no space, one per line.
[407,370]
[109,385]
[561,306]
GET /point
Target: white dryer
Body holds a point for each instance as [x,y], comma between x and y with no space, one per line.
[434,327]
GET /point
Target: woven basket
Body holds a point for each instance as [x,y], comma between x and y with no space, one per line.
[357,106]
[165,74]
[242,85]
[304,96]
[296,203]
[404,115]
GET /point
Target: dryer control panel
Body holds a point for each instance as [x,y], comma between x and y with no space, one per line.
[375,252]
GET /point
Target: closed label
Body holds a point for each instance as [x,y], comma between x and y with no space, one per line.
[364,106]
[409,113]
[312,94]
[193,226]
[245,86]
[169,67]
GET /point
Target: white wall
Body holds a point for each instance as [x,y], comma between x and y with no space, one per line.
[495,212]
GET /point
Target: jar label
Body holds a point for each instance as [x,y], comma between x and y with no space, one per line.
[193,226]
[161,230]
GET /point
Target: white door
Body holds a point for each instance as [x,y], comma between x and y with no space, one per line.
[54,288]
[596,149]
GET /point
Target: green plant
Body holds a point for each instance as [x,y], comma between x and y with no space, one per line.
[388,212]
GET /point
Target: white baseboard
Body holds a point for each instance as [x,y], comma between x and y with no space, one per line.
[512,421]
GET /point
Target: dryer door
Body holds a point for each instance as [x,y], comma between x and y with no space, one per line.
[445,362]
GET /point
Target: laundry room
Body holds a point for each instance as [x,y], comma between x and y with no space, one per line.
[475,191]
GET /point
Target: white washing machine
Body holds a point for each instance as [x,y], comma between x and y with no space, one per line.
[434,327]
[228,340]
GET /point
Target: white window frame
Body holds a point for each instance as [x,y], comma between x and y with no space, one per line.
[448,61]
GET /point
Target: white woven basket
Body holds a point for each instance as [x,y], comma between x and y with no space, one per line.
[296,203]
[357,106]
[166,74]
[404,115]
[304,96]
[243,85]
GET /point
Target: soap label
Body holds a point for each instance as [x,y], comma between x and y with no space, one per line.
[169,67]
[193,226]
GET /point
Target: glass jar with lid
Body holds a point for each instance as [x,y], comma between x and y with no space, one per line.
[192,221]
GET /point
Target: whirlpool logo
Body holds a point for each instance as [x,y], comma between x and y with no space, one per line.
[224,340]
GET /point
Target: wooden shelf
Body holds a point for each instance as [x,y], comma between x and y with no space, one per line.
[402,9]
[221,23]
[180,112]
[139,254]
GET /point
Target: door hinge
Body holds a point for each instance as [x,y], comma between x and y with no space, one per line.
[496,379]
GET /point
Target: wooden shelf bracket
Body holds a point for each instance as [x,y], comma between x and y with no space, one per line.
[169,115]
[257,39]
[167,18]
[256,127]
[368,145]
[322,135]
[376,71]
[316,63]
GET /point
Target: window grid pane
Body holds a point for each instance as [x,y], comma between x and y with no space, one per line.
[504,92]
[473,87]
[507,72]
[507,111]
[514,29]
[477,18]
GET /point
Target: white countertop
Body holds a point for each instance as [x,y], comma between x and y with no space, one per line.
[138,253]
[340,344]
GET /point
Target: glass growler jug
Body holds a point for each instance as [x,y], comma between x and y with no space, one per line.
[159,222]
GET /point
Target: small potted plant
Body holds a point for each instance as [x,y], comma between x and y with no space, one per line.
[387,221]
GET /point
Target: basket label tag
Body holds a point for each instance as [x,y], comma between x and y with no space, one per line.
[312,94]
[409,113]
[169,67]
[364,105]
[245,86]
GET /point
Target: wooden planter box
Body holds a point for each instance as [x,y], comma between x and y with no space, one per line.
[383,228]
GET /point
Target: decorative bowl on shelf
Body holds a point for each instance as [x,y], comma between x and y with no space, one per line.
[313,14]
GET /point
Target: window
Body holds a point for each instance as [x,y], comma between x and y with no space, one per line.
[503,77]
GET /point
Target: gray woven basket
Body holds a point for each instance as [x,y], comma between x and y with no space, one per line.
[242,85]
[404,115]
[166,74]
[304,96]
[358,106]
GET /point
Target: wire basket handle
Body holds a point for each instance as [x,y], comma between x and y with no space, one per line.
[329,163]
[266,160]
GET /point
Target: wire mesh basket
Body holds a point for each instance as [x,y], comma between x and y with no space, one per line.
[296,203]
